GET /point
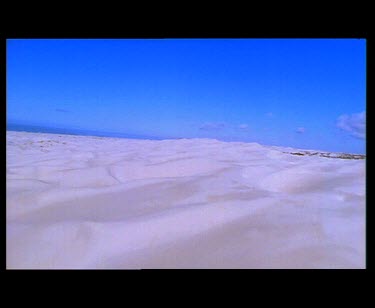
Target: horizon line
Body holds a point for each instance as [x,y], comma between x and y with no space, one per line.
[106,134]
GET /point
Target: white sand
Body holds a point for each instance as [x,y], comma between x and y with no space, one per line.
[90,202]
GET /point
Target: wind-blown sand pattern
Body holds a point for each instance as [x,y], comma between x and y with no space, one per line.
[76,202]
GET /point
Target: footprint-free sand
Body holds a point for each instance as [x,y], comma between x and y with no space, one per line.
[82,202]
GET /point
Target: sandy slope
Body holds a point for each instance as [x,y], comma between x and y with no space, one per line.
[91,202]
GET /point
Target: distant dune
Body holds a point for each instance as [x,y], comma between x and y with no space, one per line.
[92,202]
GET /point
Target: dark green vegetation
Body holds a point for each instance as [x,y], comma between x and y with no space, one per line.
[329,155]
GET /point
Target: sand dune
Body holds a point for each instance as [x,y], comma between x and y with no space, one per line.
[91,202]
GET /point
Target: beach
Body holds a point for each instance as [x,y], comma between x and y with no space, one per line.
[86,202]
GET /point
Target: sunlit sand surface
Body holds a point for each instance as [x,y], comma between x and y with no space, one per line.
[77,202]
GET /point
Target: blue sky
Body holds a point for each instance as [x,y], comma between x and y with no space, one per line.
[305,93]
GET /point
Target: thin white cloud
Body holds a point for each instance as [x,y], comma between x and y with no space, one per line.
[300,130]
[212,126]
[243,126]
[269,115]
[354,124]
[62,110]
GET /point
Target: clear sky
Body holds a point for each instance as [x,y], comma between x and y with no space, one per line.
[305,93]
